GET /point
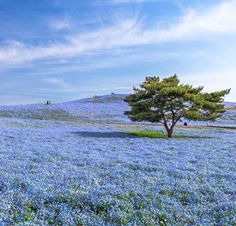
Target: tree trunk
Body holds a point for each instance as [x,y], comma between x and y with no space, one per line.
[169,132]
[170,128]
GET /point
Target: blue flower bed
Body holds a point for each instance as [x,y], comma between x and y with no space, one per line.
[60,173]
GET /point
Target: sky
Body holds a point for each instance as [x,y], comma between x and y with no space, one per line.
[62,50]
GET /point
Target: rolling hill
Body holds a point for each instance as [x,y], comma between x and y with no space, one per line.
[107,108]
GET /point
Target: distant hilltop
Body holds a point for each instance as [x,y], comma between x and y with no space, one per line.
[109,98]
[104,108]
[230,105]
[102,99]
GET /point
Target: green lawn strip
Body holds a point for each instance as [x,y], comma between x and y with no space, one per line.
[158,134]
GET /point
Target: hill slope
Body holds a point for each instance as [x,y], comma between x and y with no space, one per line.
[107,108]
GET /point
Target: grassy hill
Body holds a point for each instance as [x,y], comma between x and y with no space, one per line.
[106,108]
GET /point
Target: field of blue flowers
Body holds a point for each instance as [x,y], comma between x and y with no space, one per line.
[67,164]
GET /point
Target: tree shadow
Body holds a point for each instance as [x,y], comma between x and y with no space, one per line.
[104,134]
[127,135]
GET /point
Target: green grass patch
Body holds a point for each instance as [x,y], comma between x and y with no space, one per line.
[150,134]
[157,134]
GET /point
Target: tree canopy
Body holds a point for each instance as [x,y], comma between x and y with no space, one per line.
[167,101]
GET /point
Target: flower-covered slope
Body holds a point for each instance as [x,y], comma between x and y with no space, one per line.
[71,170]
[75,173]
[107,108]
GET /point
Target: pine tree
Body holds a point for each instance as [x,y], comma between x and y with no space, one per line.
[167,101]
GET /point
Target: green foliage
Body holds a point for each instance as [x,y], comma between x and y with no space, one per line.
[158,134]
[167,101]
[150,134]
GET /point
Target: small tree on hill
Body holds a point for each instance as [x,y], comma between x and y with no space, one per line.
[167,101]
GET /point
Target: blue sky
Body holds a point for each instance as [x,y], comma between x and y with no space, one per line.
[64,50]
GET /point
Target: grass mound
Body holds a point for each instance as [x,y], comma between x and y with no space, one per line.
[150,134]
[157,134]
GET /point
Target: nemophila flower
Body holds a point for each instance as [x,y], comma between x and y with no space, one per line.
[71,172]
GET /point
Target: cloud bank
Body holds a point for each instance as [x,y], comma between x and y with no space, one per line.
[193,25]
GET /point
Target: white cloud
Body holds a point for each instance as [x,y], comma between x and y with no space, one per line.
[135,1]
[61,24]
[214,80]
[126,1]
[220,19]
[60,83]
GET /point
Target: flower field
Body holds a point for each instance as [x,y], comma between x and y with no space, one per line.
[74,164]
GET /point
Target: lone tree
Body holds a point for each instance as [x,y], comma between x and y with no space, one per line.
[167,101]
